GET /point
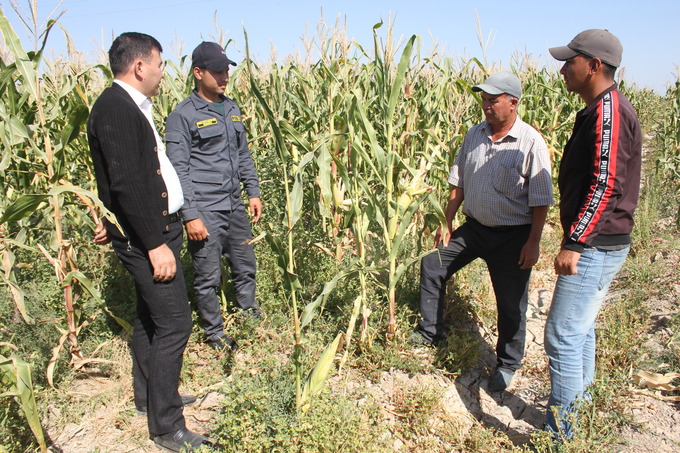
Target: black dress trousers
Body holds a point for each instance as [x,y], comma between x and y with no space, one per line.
[161,331]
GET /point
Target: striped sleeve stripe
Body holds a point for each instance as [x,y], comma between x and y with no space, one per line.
[606,146]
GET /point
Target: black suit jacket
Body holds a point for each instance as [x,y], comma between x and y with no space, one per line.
[124,154]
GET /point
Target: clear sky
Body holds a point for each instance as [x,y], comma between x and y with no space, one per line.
[648,29]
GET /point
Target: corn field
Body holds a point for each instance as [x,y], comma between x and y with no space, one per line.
[353,148]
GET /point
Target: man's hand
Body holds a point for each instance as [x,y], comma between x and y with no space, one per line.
[445,238]
[529,254]
[163,263]
[255,209]
[566,261]
[456,197]
[196,230]
[101,234]
[531,250]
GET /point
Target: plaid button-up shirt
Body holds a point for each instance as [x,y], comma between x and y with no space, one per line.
[503,180]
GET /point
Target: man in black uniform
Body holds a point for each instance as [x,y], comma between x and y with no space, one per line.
[208,147]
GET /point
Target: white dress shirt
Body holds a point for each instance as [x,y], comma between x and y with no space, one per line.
[175,195]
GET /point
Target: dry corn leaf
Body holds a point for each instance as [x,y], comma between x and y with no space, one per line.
[656,381]
[658,395]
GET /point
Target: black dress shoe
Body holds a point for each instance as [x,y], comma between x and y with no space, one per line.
[251,313]
[500,379]
[224,344]
[187,400]
[182,440]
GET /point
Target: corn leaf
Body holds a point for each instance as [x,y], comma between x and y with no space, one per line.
[87,284]
[396,90]
[25,66]
[296,194]
[24,206]
[317,377]
[309,311]
[16,378]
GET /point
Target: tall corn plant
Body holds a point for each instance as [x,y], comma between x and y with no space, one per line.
[293,167]
[42,119]
[317,103]
[395,181]
[359,214]
[667,131]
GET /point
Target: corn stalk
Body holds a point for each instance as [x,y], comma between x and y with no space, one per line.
[40,136]
[285,249]
[360,213]
[390,162]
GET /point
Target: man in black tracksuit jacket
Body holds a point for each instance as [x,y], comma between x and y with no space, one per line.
[599,181]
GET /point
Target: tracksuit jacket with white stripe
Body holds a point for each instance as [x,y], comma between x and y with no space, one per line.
[599,178]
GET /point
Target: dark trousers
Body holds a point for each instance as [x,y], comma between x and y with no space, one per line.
[162,328]
[230,236]
[501,251]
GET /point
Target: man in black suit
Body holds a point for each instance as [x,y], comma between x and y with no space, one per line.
[139,185]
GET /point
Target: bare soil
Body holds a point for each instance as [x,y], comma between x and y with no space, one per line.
[106,420]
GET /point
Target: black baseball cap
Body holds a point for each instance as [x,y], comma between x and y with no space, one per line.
[210,55]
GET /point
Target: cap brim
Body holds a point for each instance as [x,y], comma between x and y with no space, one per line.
[562,53]
[488,89]
[217,67]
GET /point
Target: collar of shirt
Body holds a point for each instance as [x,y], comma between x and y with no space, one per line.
[134,93]
[596,102]
[200,103]
[144,104]
[513,132]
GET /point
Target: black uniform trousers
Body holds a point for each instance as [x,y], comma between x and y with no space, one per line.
[230,236]
[161,331]
[500,248]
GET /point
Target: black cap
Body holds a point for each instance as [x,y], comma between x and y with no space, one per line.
[210,55]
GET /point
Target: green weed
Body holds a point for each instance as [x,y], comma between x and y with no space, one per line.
[259,414]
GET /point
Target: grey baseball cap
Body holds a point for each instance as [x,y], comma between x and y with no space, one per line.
[499,83]
[210,55]
[593,43]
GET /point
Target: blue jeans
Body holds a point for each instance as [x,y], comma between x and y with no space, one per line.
[570,333]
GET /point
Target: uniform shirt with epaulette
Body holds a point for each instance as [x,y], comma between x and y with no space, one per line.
[207,144]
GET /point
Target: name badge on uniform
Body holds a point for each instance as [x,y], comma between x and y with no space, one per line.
[208,122]
[236,118]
